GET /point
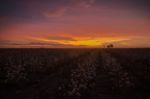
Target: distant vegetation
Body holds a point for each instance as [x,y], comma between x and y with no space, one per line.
[110,46]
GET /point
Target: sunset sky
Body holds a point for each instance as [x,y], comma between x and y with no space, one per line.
[74,23]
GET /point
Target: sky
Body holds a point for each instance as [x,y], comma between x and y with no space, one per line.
[74,23]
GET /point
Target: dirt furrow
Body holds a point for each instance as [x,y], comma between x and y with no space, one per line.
[119,77]
[81,78]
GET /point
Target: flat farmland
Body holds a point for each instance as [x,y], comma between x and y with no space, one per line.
[75,73]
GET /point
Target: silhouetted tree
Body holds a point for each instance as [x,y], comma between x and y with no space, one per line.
[110,46]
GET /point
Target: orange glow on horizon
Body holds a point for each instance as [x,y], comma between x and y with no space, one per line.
[88,42]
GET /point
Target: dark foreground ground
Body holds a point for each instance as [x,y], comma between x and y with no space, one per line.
[74,73]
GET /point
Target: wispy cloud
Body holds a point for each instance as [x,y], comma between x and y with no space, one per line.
[84,3]
[61,9]
[61,38]
[53,44]
[55,12]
